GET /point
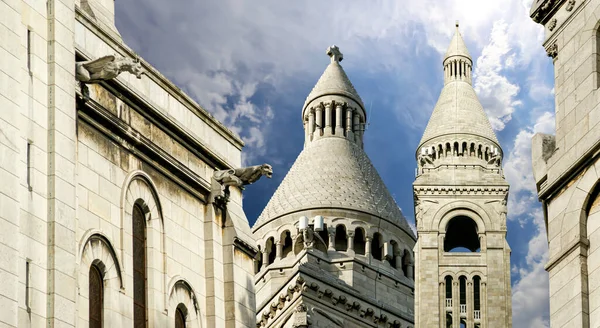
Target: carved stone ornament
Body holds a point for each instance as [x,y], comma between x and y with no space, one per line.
[106,68]
[541,9]
[570,5]
[308,238]
[552,51]
[552,24]
[243,176]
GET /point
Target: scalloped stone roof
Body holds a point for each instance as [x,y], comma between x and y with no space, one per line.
[333,173]
[458,111]
[334,81]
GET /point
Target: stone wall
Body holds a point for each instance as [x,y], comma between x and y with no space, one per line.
[566,165]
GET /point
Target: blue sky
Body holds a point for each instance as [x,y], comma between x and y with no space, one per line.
[252,64]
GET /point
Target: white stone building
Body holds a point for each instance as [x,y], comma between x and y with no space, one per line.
[462,275]
[105,190]
[336,250]
[566,166]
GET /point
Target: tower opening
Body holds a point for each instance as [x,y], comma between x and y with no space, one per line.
[461,235]
[271,250]
[359,241]
[325,236]
[376,247]
[287,243]
[341,239]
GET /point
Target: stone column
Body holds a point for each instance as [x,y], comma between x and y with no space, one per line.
[368,247]
[279,250]
[311,124]
[265,257]
[349,133]
[361,131]
[328,114]
[442,295]
[409,271]
[455,303]
[331,232]
[470,304]
[319,122]
[350,248]
[339,130]
[356,127]
[483,303]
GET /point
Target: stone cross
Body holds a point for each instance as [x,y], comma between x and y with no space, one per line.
[335,54]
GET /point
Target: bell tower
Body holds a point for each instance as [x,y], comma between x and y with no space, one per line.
[462,276]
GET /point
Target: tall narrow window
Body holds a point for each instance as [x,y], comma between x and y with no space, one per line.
[27,284]
[179,317]
[287,242]
[359,241]
[29,185]
[96,295]
[29,52]
[377,246]
[139,268]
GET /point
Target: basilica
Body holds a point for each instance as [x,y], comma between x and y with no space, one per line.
[121,197]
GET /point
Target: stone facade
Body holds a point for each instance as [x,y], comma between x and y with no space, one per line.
[566,165]
[350,264]
[75,161]
[462,276]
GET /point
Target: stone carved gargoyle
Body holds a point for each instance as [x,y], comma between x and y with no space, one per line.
[239,177]
[425,159]
[243,176]
[106,68]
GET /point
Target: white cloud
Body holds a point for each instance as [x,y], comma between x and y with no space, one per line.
[496,93]
[530,291]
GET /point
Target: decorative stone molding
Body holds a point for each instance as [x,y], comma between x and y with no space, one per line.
[552,24]
[552,50]
[541,10]
[445,190]
[570,5]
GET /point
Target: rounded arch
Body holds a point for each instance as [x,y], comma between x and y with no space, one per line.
[139,190]
[287,242]
[461,231]
[182,293]
[461,208]
[97,250]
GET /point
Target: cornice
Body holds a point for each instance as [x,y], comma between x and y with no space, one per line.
[121,133]
[542,10]
[159,79]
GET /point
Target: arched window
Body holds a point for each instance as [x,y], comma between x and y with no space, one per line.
[455,150]
[465,150]
[139,267]
[448,281]
[448,320]
[271,250]
[376,246]
[461,235]
[463,293]
[341,240]
[476,294]
[96,297]
[180,314]
[359,241]
[406,262]
[396,258]
[287,242]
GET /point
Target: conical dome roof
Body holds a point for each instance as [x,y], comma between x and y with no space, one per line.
[458,110]
[457,46]
[334,81]
[333,173]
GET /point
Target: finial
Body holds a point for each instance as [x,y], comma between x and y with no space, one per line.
[335,54]
[457,24]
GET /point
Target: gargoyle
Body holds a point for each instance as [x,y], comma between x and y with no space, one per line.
[425,159]
[238,178]
[243,176]
[106,68]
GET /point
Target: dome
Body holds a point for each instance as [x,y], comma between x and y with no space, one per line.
[334,81]
[458,111]
[333,173]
